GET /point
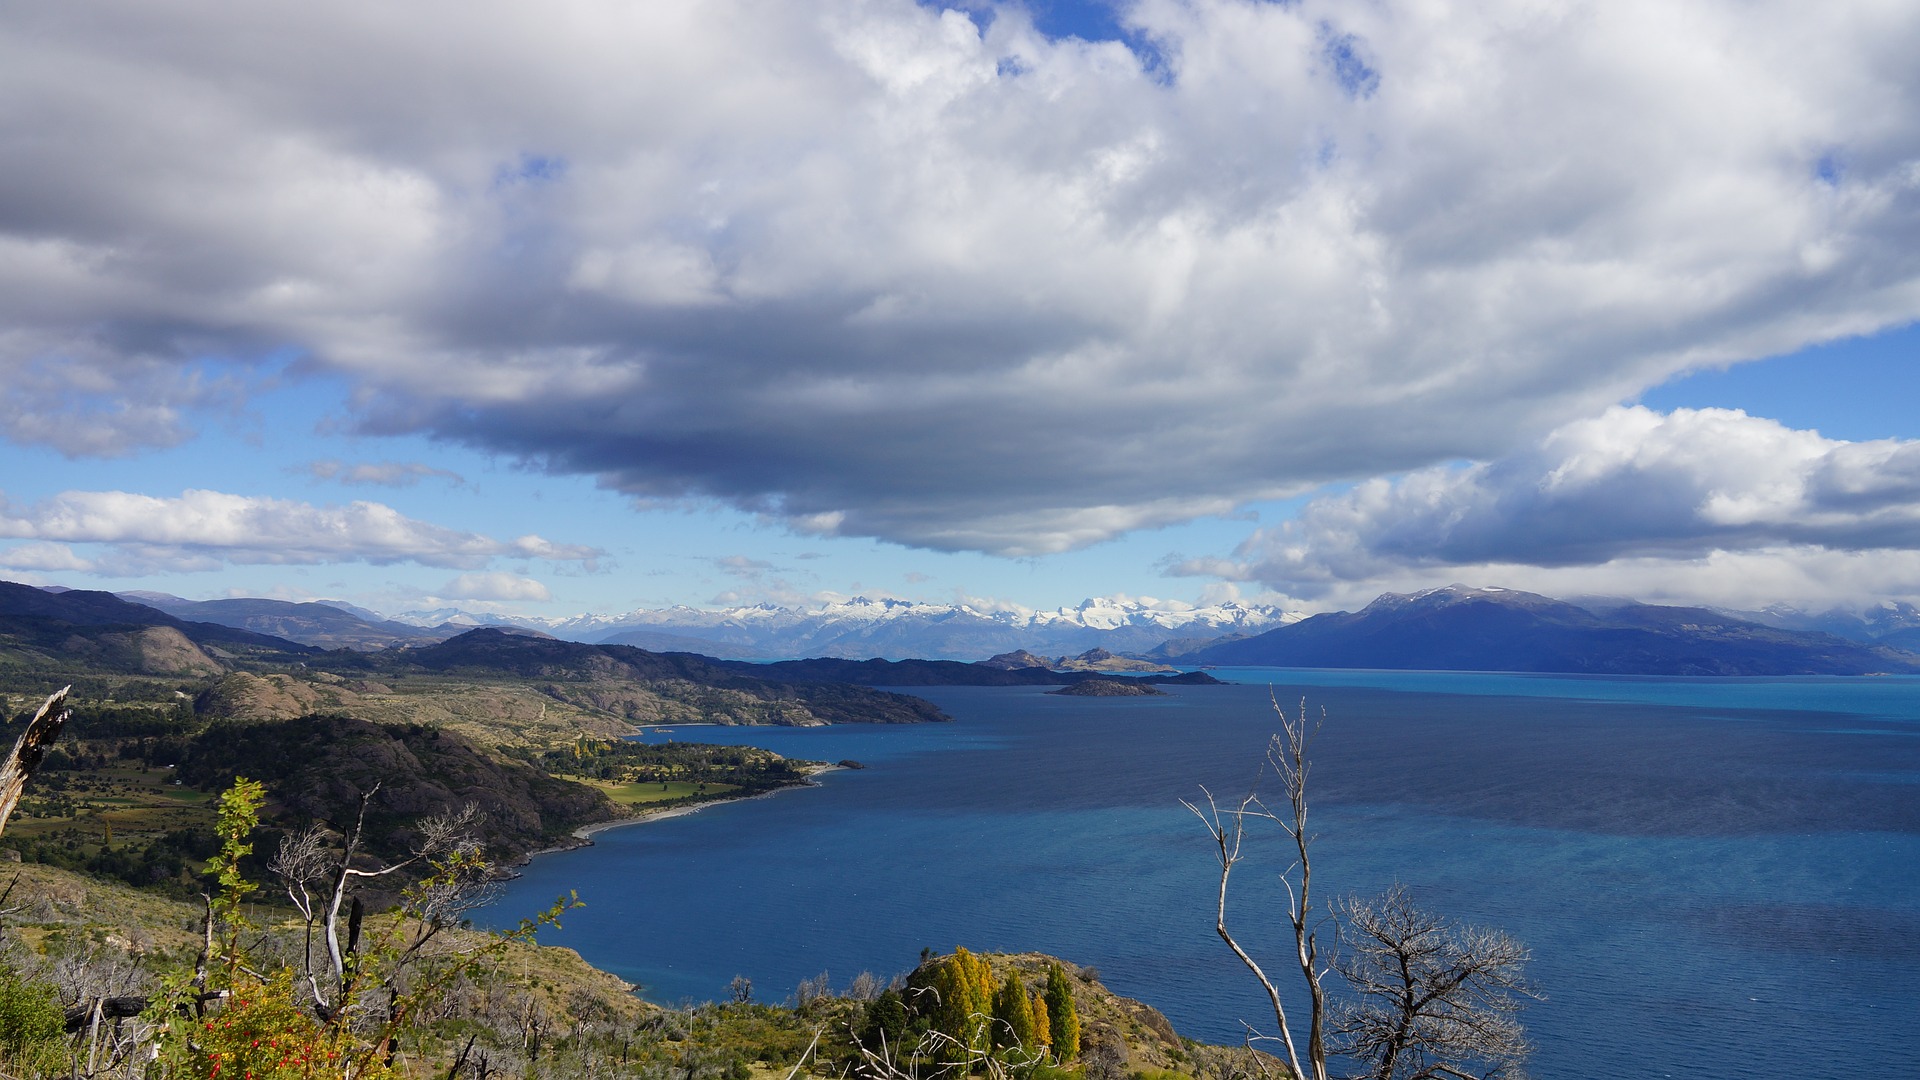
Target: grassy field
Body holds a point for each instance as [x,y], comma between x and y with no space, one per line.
[649,793]
[135,801]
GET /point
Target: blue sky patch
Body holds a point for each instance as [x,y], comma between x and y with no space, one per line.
[531,168]
[1830,169]
[1344,53]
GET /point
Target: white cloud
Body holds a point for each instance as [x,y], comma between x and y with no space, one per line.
[494,585]
[47,557]
[395,474]
[203,530]
[741,566]
[863,268]
[1706,504]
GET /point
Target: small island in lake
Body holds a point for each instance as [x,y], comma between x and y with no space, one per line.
[1109,688]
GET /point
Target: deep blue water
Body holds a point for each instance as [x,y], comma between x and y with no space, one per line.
[1718,878]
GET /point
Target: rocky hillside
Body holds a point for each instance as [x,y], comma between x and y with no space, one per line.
[316,767]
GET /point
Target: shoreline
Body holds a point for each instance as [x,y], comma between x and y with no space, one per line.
[583,835]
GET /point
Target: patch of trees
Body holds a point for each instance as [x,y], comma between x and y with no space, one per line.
[166,863]
[623,761]
[319,767]
[173,716]
[954,1016]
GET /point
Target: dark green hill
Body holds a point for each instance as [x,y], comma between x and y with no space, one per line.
[597,676]
[316,767]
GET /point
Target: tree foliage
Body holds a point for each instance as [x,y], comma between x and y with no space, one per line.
[32,1024]
[1062,1016]
[1013,1015]
[955,1017]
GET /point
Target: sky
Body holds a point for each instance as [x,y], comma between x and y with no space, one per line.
[590,306]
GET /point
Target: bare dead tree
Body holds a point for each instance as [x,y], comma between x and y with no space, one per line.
[866,986]
[1436,999]
[30,749]
[1287,757]
[319,867]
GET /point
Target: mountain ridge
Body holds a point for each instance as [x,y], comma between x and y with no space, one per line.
[1460,628]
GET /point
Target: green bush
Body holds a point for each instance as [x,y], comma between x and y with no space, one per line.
[33,1026]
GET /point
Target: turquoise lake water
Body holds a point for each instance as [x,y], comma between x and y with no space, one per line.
[1717,877]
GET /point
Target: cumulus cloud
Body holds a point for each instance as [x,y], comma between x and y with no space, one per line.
[203,530]
[1711,503]
[42,557]
[494,585]
[395,474]
[868,269]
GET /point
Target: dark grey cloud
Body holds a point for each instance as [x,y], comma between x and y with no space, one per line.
[865,270]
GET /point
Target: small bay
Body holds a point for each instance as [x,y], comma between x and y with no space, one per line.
[1717,877]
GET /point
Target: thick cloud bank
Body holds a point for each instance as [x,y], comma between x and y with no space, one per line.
[1624,499]
[869,269]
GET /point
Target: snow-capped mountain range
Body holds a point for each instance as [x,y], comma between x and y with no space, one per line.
[896,629]
[899,629]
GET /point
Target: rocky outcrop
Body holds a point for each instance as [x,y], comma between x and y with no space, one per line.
[241,696]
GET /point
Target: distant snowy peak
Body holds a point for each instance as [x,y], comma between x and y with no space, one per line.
[456,617]
[1450,595]
[1099,614]
[864,626]
[1108,614]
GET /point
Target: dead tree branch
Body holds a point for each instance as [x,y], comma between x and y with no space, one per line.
[30,750]
[1287,757]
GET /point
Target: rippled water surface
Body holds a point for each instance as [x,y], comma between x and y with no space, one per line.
[1717,877]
